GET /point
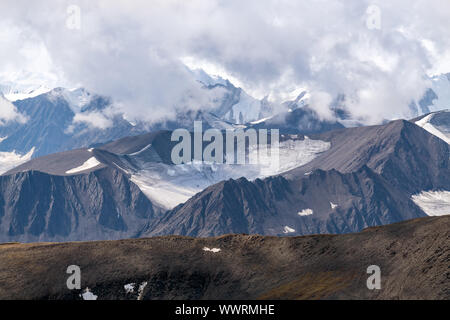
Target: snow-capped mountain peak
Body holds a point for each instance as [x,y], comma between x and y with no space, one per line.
[206,79]
[23,85]
[14,94]
[77,98]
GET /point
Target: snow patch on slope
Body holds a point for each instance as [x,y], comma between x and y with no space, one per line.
[129,287]
[88,164]
[433,203]
[306,212]
[164,193]
[261,120]
[140,151]
[141,290]
[215,250]
[88,295]
[432,129]
[288,230]
[293,154]
[425,124]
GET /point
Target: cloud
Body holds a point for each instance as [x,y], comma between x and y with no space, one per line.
[8,112]
[133,51]
[93,119]
[9,160]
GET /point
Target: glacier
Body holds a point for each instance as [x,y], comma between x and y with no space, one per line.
[433,203]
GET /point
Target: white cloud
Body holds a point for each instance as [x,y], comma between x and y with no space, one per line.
[9,160]
[93,119]
[132,51]
[8,112]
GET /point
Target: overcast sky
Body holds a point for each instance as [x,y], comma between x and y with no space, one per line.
[377,53]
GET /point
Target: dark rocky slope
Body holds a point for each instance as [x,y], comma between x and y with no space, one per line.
[413,256]
[406,155]
[102,204]
[339,203]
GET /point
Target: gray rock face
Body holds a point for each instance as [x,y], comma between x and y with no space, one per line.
[406,155]
[102,204]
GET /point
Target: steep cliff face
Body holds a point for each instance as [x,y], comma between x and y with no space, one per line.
[102,204]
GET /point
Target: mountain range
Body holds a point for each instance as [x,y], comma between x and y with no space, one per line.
[338,181]
[366,178]
[75,171]
[66,179]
